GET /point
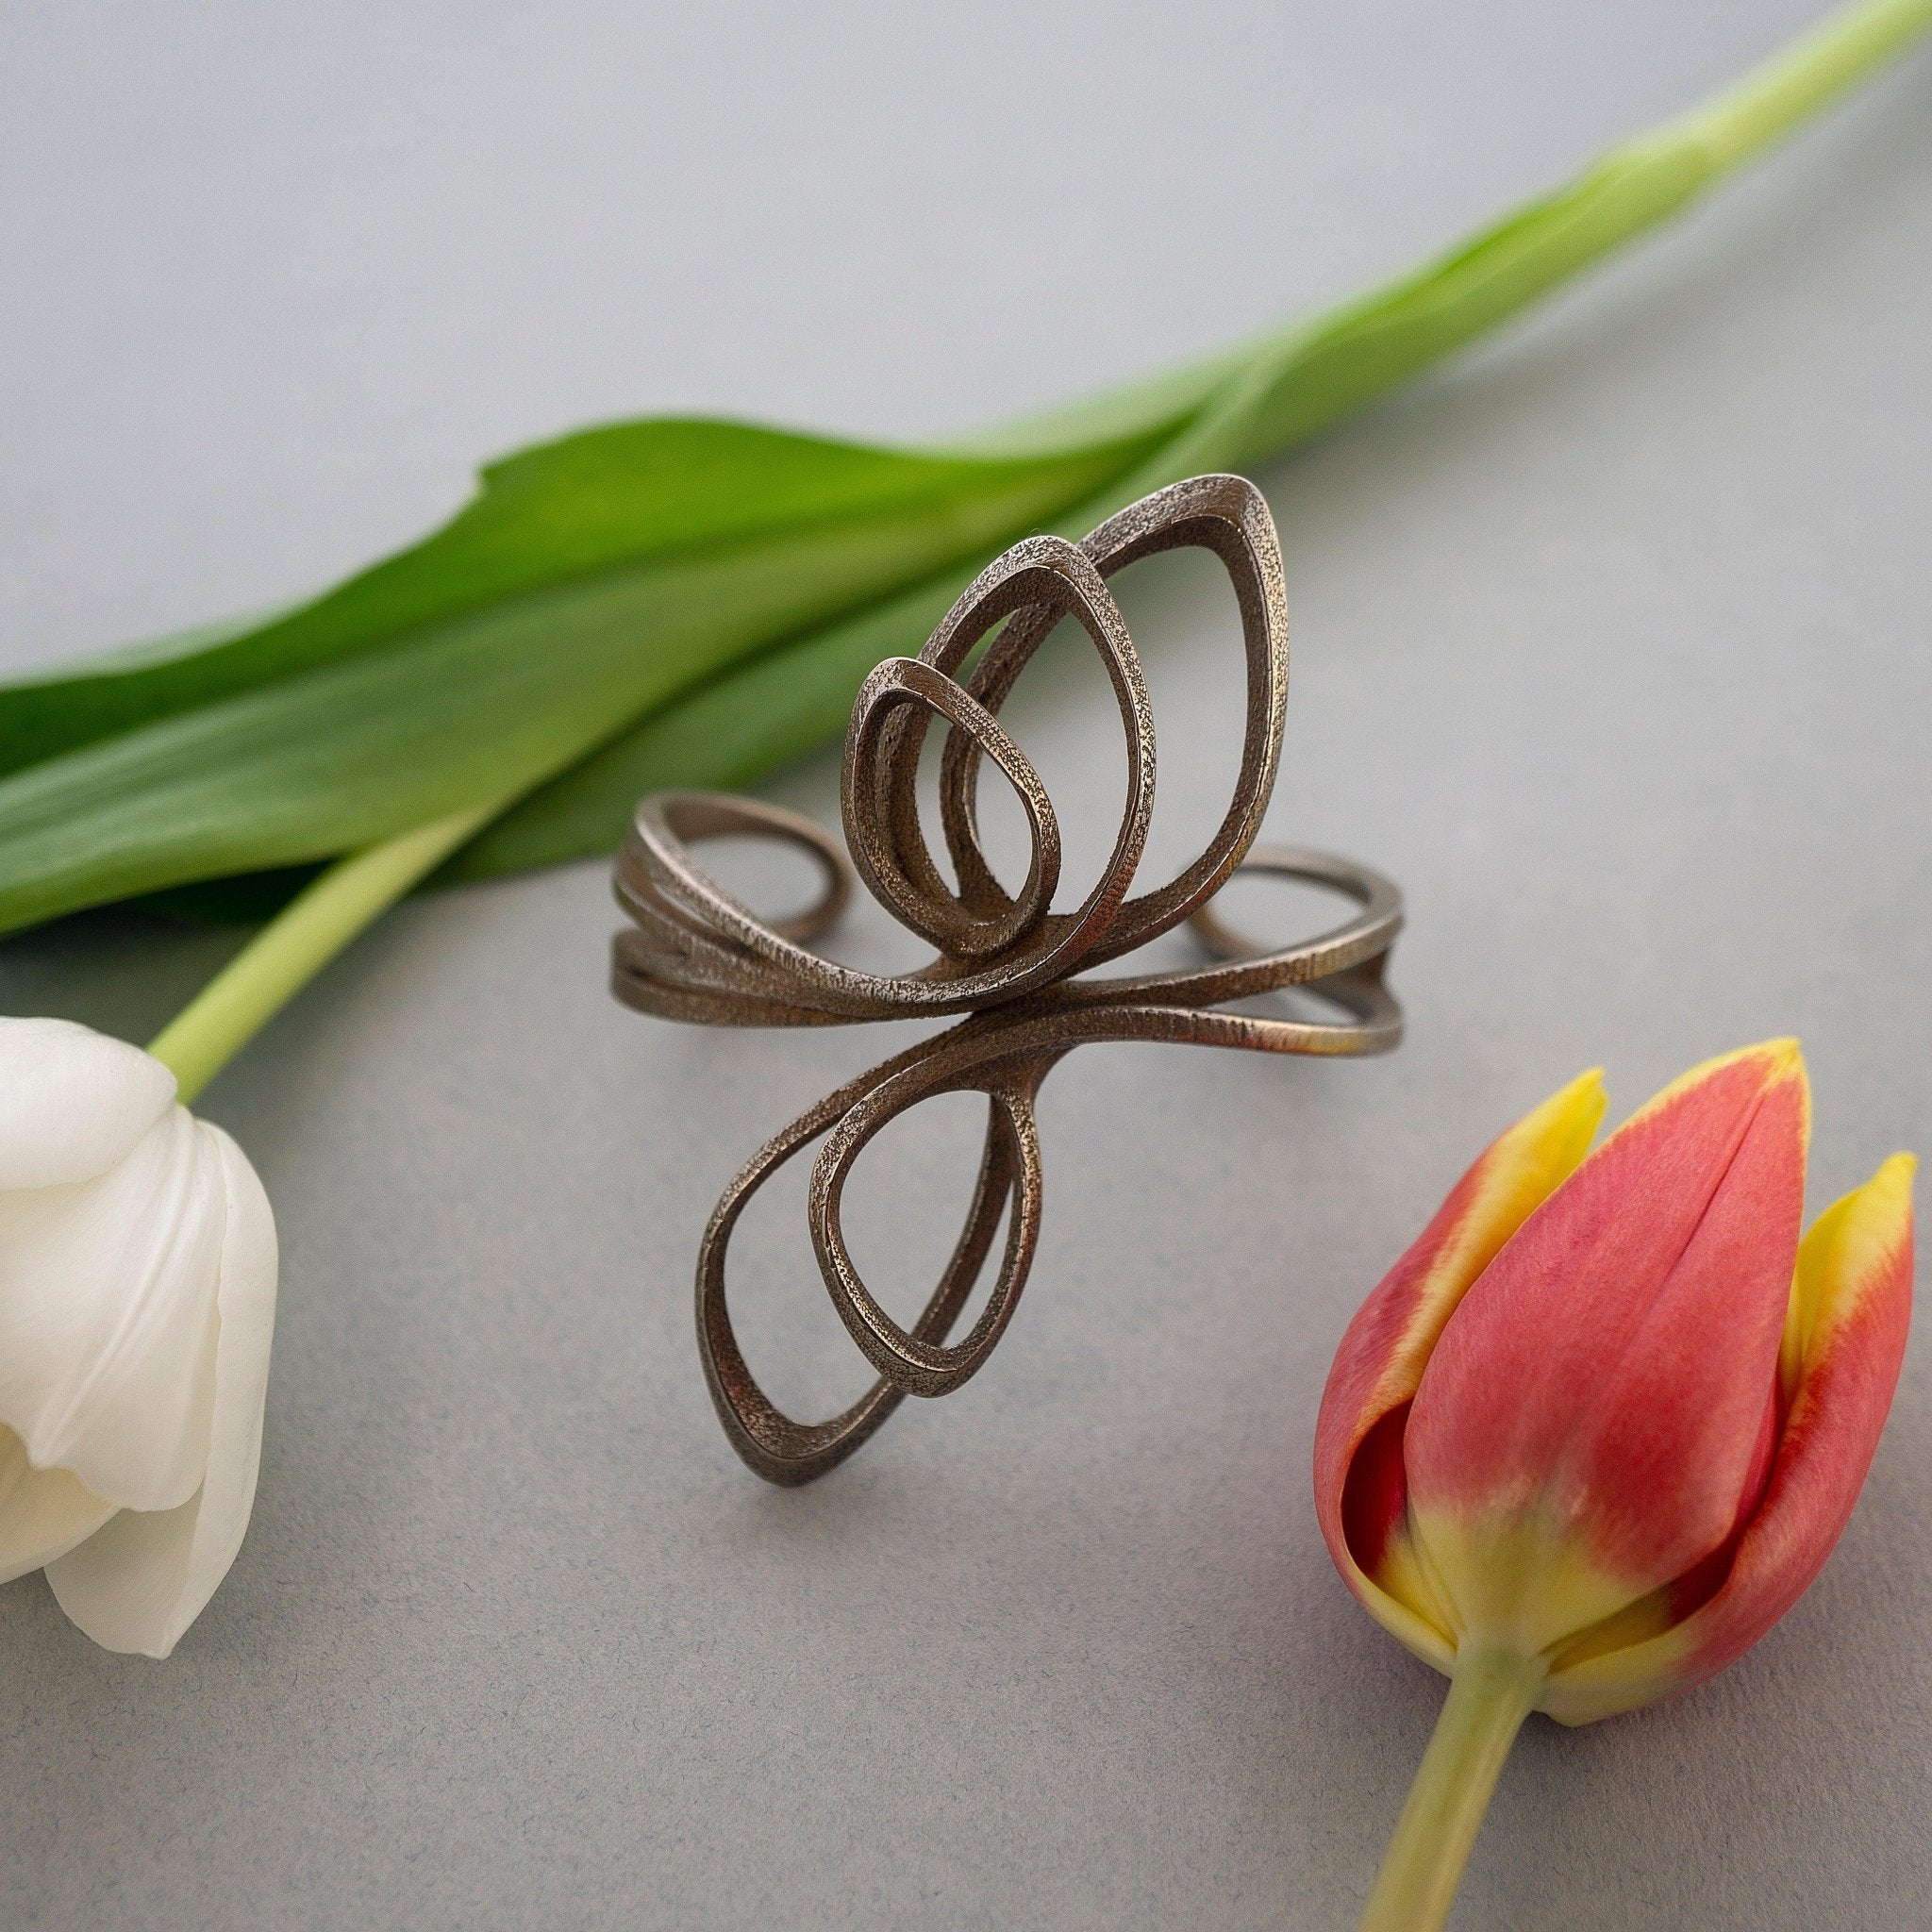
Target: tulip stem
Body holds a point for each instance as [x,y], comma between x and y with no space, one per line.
[1771,100]
[299,941]
[1491,1692]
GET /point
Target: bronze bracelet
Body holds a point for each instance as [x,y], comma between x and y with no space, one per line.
[1006,962]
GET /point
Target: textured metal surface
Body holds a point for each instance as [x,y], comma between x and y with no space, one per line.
[1005,962]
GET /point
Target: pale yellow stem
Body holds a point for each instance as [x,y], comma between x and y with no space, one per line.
[1491,1692]
[300,942]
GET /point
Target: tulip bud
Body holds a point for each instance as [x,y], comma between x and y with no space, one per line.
[1599,1428]
[137,1304]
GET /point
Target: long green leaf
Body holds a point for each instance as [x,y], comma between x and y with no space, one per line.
[601,502]
[689,602]
[1240,408]
[346,752]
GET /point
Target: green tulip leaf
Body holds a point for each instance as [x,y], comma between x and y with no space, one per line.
[693,602]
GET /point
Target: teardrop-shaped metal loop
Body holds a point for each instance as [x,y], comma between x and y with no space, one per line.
[909,1360]
[779,1447]
[1034,585]
[1228,517]
[890,853]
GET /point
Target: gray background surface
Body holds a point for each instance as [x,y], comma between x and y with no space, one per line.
[1611,646]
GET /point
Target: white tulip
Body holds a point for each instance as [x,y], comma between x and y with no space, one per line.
[137,1303]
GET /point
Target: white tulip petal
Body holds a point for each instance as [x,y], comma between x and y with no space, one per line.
[139,1581]
[108,1318]
[73,1102]
[43,1513]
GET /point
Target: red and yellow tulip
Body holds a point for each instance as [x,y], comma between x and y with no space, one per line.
[1602,1424]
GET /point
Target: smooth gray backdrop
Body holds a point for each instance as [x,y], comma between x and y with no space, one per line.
[1613,643]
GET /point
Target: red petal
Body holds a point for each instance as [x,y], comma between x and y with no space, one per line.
[1612,1369]
[1849,1372]
[1358,1478]
[1850,1309]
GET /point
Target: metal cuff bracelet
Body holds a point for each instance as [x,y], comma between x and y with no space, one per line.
[1005,962]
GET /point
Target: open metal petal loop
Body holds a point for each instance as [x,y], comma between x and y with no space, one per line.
[1012,967]
[895,864]
[1010,1175]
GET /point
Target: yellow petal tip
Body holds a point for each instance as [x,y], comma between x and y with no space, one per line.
[1780,1056]
[1565,1124]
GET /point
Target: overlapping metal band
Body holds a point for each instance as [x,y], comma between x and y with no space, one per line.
[1004,960]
